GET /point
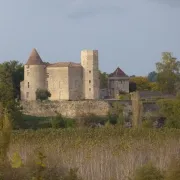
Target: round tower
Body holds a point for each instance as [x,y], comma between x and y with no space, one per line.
[34,75]
[90,64]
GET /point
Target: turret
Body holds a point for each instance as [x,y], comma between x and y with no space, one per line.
[34,75]
[89,62]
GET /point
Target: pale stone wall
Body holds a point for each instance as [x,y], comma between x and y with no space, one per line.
[79,108]
[57,83]
[66,108]
[117,84]
[91,82]
[22,90]
[65,82]
[34,78]
[75,83]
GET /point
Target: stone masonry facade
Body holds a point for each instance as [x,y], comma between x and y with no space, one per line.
[64,80]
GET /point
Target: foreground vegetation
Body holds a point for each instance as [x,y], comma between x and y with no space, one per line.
[100,153]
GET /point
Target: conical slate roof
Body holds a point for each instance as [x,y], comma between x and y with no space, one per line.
[34,58]
[118,73]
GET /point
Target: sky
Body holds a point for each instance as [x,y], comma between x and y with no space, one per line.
[130,34]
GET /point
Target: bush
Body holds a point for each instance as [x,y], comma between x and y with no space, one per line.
[121,119]
[42,94]
[58,122]
[92,119]
[70,123]
[148,172]
[115,114]
[170,109]
[147,123]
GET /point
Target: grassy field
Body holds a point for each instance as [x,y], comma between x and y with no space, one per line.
[109,153]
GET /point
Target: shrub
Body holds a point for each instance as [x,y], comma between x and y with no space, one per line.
[170,108]
[70,123]
[115,114]
[58,122]
[148,172]
[121,119]
[42,94]
[147,123]
[92,119]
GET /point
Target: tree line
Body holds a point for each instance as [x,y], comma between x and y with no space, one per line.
[166,77]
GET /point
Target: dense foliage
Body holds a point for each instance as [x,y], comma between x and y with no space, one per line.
[170,108]
[152,76]
[9,90]
[142,84]
[103,79]
[168,73]
[93,151]
[42,94]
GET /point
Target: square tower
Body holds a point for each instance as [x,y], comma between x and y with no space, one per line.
[90,64]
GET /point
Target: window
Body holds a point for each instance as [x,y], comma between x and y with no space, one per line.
[27,94]
[89,89]
[28,84]
[90,72]
[89,81]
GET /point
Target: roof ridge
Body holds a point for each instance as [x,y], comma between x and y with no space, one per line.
[34,58]
[118,73]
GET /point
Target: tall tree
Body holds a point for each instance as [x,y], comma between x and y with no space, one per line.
[7,95]
[168,73]
[142,83]
[152,76]
[103,80]
[16,71]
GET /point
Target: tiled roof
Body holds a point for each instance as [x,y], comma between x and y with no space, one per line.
[118,73]
[64,64]
[34,58]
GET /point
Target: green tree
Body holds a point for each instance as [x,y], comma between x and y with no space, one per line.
[152,76]
[16,71]
[170,108]
[168,73]
[142,83]
[42,94]
[103,79]
[7,94]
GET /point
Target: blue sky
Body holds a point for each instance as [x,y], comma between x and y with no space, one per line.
[130,34]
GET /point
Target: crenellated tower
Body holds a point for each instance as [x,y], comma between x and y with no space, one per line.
[34,76]
[91,83]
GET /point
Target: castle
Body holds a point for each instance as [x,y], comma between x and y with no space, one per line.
[64,80]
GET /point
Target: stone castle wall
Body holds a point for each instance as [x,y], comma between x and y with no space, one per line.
[66,108]
[77,108]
